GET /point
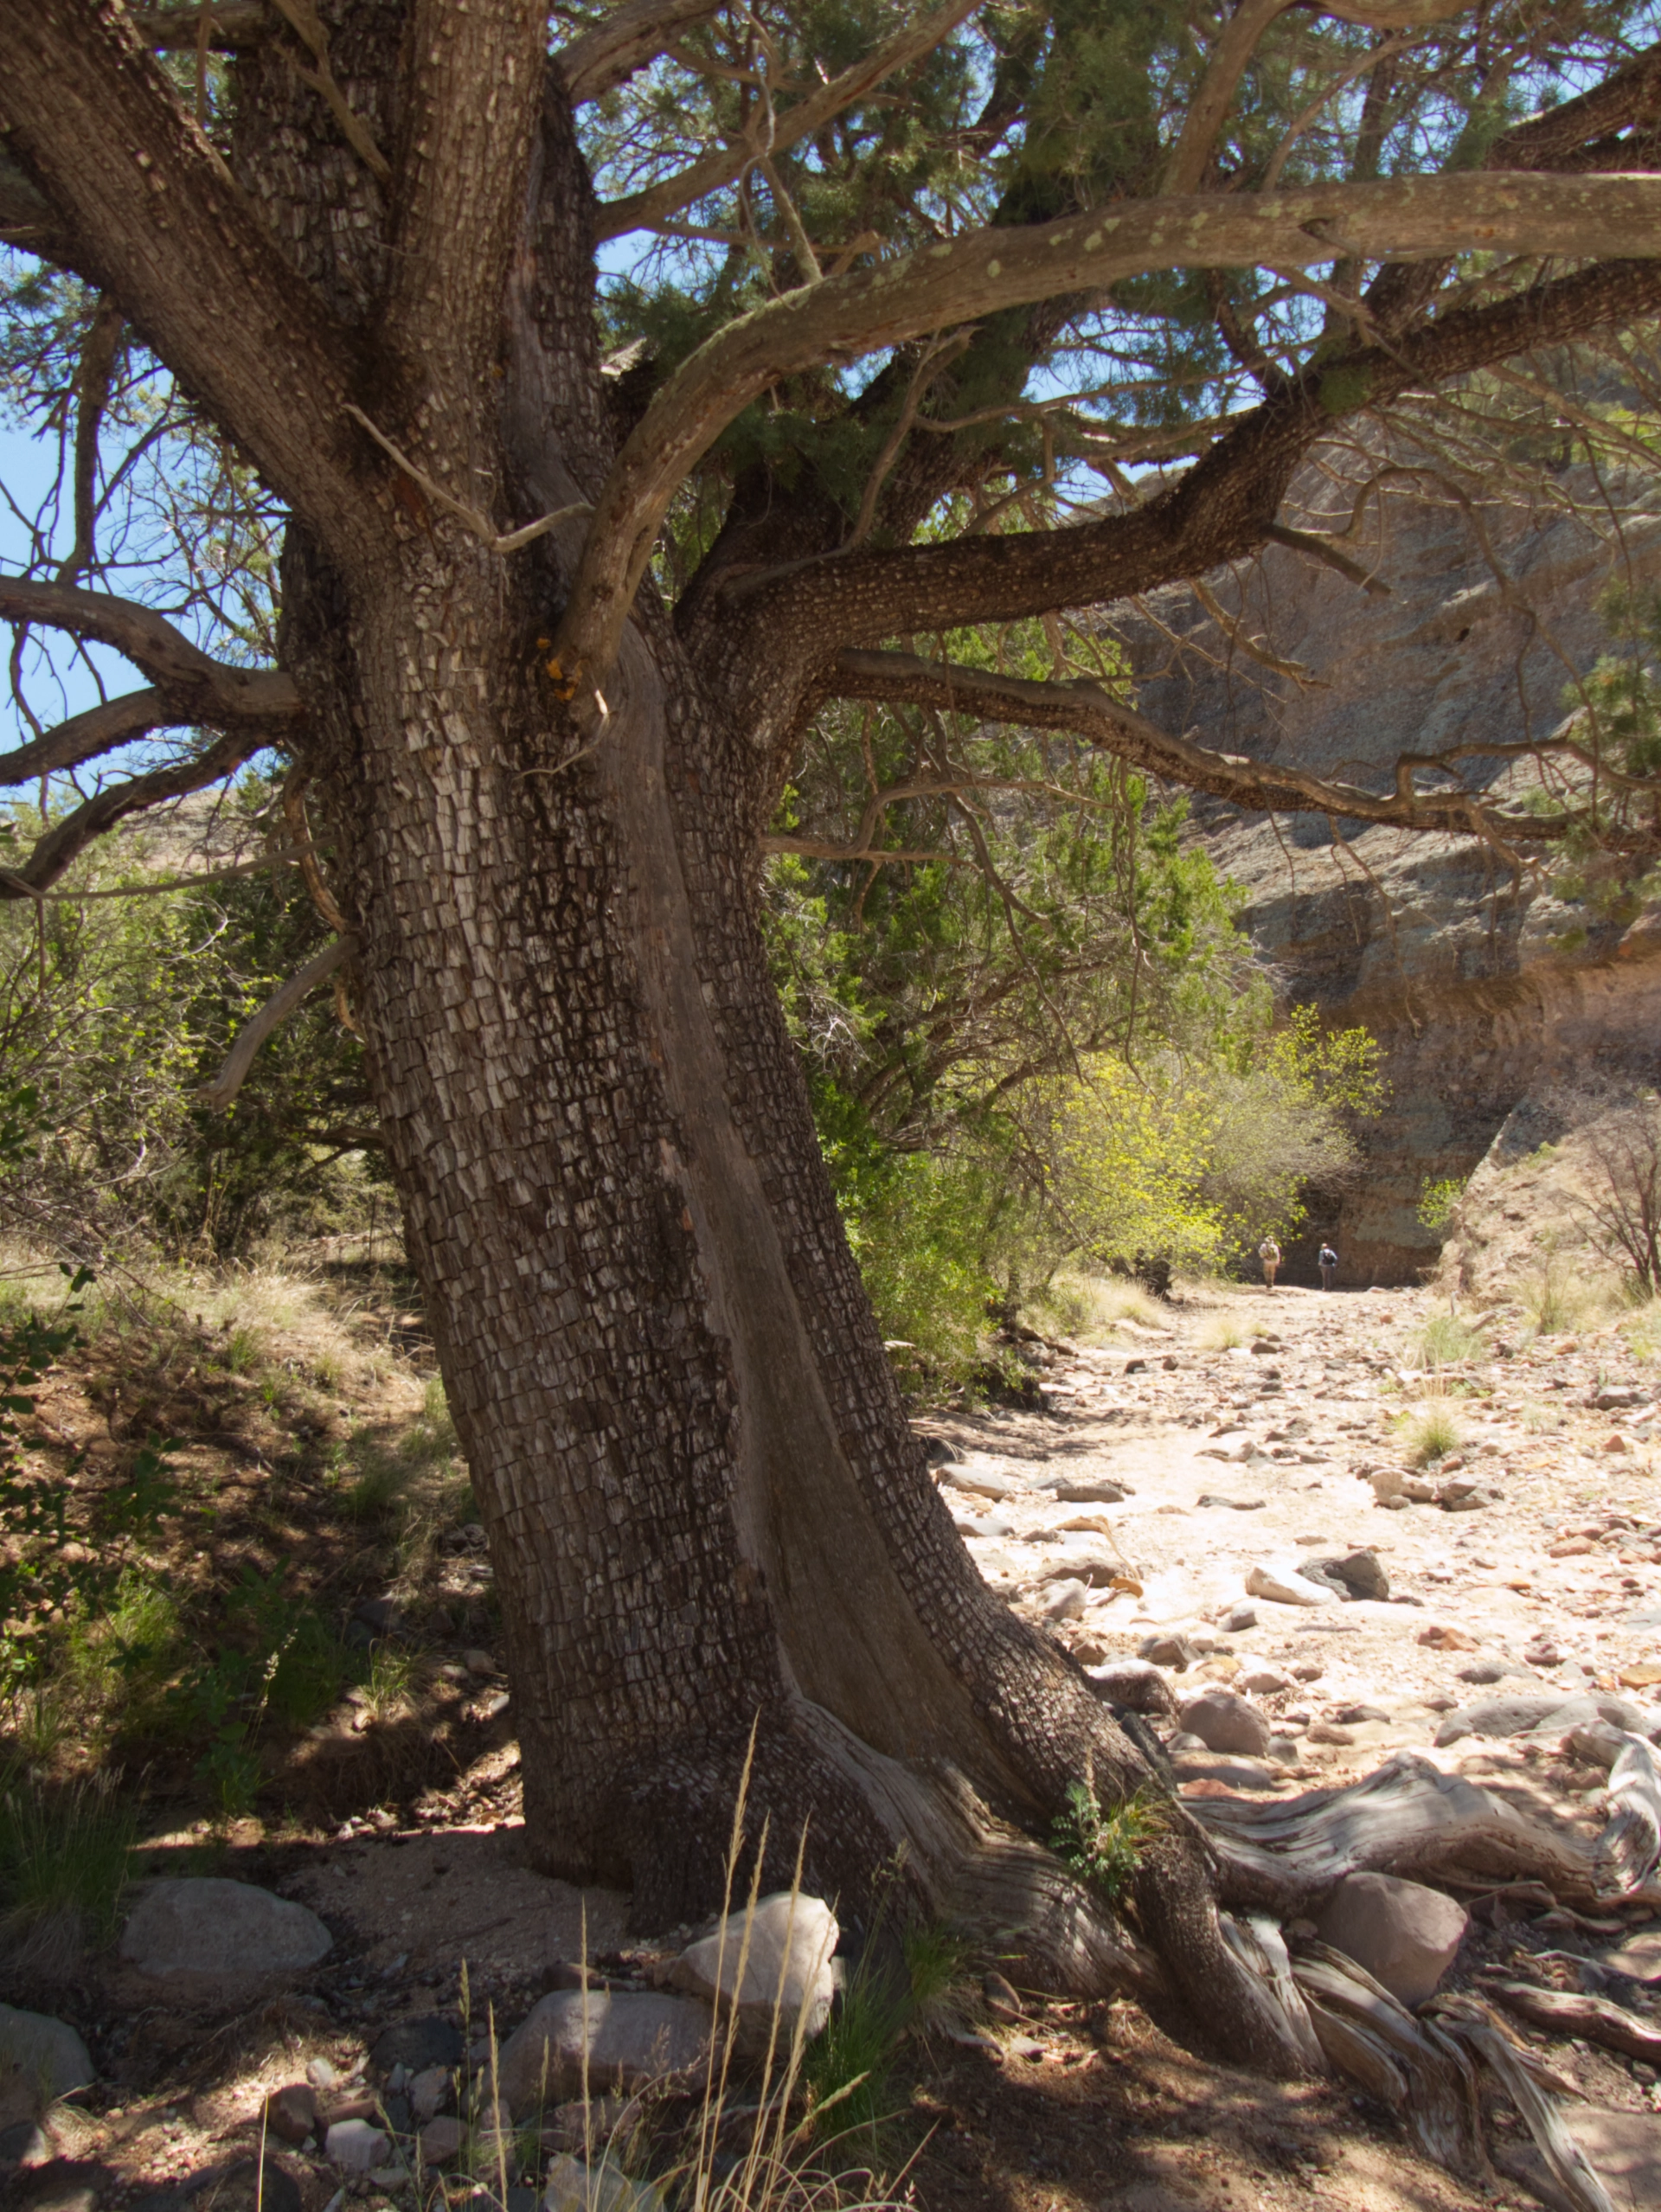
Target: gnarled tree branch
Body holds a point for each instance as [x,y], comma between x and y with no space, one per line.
[1220,511]
[1094,714]
[150,213]
[63,844]
[945,285]
[87,736]
[631,38]
[233,26]
[218,1095]
[190,685]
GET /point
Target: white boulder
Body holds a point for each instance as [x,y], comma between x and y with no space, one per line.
[1282,1584]
[230,1930]
[784,1945]
[48,2054]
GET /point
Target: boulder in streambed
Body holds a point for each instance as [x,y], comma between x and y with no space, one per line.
[1283,1585]
[1405,1934]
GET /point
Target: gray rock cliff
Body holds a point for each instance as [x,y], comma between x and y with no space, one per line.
[1481,979]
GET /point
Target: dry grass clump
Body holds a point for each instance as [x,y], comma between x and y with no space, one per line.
[1222,1332]
[63,1868]
[1642,1329]
[1432,1432]
[1557,1301]
[1445,1340]
[1077,1304]
[797,2130]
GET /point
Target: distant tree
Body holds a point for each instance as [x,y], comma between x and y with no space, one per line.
[1624,1146]
[537,574]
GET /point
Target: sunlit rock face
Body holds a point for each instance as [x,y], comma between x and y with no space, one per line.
[1483,984]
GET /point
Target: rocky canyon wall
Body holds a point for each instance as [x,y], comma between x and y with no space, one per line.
[1484,980]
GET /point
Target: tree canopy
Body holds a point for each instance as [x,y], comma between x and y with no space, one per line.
[911,322]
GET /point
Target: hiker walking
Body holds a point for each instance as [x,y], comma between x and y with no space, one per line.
[1269,1252]
[1329,1261]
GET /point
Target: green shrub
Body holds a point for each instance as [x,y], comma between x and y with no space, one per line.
[922,1230]
[1439,1200]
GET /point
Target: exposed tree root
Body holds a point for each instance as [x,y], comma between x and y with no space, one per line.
[1409,1818]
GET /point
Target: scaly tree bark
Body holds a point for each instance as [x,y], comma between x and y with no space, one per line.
[546,799]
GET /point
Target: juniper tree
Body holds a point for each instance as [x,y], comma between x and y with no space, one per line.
[617,388]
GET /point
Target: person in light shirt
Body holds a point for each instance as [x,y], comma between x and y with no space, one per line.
[1269,1252]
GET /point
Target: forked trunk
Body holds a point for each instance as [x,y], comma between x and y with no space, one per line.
[706,1509]
[707,1512]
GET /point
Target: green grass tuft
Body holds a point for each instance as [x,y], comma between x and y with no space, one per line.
[121,1662]
[63,1866]
[1445,1340]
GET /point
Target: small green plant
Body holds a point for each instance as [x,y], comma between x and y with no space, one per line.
[1432,1432]
[119,1660]
[1439,1201]
[230,1768]
[310,1669]
[41,1721]
[243,1351]
[388,1685]
[63,1866]
[1446,1340]
[847,2070]
[377,1484]
[935,1958]
[1104,1849]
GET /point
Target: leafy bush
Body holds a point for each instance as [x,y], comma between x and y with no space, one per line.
[1188,1157]
[1439,1201]
[923,1229]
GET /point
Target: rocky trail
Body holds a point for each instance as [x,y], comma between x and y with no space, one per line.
[1170,1501]
[1230,1517]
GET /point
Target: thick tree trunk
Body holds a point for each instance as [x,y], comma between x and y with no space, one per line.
[707,1513]
[706,1509]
